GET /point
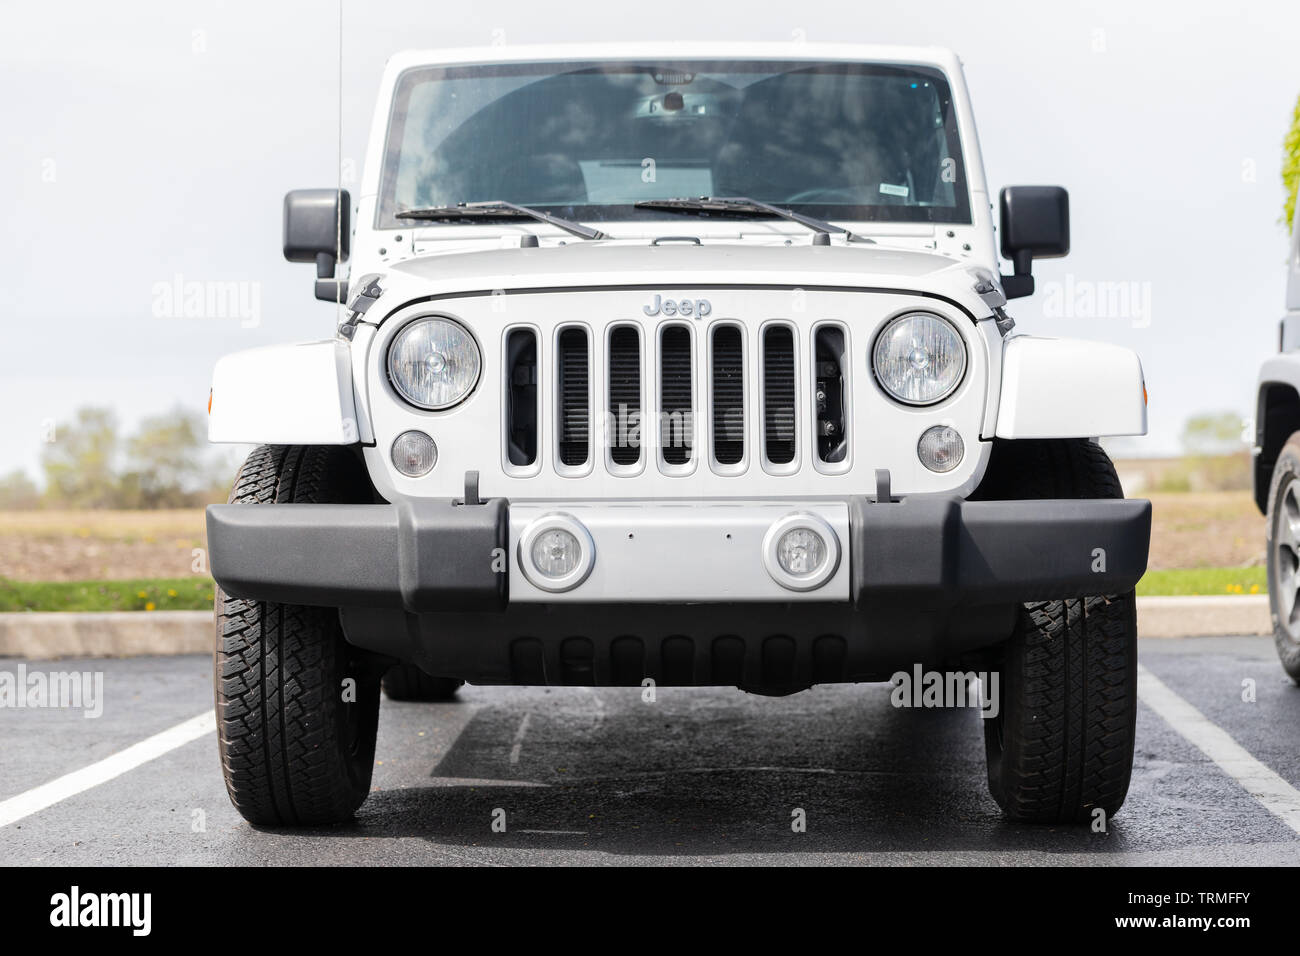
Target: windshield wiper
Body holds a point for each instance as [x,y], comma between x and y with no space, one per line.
[749,207]
[499,210]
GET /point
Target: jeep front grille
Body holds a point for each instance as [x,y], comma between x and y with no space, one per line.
[627,397]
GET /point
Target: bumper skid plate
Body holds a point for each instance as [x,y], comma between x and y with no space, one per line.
[436,555]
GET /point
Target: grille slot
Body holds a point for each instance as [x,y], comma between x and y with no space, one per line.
[676,395]
[778,395]
[728,410]
[572,367]
[521,397]
[830,394]
[625,395]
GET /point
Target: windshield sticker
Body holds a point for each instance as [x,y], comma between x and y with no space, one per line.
[889,189]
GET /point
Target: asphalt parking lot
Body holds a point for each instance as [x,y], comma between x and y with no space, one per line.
[698,776]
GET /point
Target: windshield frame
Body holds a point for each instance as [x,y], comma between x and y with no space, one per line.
[609,213]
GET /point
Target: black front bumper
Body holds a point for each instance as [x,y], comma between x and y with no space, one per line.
[443,556]
[931,579]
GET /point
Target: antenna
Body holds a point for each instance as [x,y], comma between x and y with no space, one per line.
[341,287]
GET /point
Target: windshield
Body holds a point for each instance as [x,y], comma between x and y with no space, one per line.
[837,141]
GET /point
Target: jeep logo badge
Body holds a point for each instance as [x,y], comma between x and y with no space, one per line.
[696,307]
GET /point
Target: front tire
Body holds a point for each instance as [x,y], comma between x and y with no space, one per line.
[1283,550]
[1061,745]
[297,706]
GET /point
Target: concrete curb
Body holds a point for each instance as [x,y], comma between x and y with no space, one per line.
[1204,616]
[44,635]
[41,635]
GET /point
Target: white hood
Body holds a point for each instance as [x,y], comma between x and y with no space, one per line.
[589,265]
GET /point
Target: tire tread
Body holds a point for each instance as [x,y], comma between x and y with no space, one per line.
[279,673]
[1069,672]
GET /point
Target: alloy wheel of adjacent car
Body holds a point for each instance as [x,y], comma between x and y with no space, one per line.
[1283,555]
[1284,570]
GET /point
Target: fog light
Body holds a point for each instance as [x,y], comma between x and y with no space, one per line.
[556,552]
[940,448]
[414,454]
[801,552]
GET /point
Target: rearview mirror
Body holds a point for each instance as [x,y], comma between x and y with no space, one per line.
[317,228]
[1035,224]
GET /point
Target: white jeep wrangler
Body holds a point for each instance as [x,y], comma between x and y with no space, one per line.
[674,364]
[1277,469]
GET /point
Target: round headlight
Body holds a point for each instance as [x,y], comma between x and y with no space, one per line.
[434,363]
[919,358]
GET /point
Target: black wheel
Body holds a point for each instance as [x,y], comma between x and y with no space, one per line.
[408,682]
[1061,745]
[297,706]
[1283,540]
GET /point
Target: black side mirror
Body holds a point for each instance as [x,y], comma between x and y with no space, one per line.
[1035,224]
[318,228]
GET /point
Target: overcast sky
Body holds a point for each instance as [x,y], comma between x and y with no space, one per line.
[148,140]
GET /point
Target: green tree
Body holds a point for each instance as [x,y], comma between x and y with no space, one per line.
[168,459]
[1291,165]
[18,492]
[79,462]
[1213,433]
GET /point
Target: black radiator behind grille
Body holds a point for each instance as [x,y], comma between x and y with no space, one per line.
[521,396]
[676,422]
[831,366]
[625,395]
[728,395]
[778,394]
[575,413]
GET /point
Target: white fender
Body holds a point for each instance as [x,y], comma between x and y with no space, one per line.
[285,395]
[1070,388]
[1282,369]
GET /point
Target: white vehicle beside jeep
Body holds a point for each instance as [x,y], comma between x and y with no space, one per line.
[1277,469]
[674,364]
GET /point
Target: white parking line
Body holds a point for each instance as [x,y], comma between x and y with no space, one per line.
[69,785]
[519,740]
[1278,797]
